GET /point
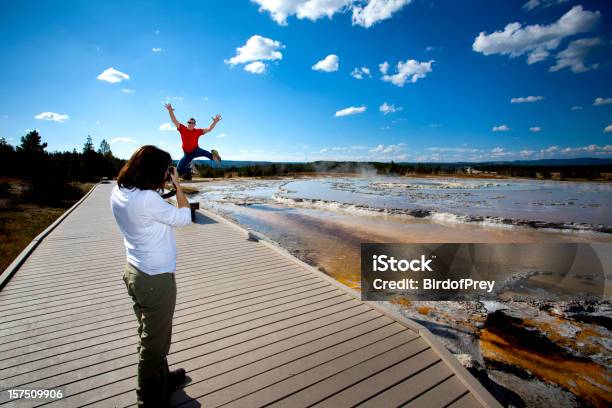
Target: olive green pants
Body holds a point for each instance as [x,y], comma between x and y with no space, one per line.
[154,299]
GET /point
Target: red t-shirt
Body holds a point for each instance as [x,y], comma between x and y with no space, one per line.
[189,137]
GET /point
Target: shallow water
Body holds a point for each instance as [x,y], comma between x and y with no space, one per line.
[534,200]
[324,220]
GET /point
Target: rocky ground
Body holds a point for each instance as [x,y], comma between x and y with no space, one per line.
[527,354]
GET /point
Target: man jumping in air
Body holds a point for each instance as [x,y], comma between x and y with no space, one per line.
[189,137]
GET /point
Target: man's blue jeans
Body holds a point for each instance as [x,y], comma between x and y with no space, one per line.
[188,157]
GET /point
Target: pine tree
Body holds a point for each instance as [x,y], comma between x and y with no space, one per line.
[88,146]
[105,149]
[5,147]
[31,143]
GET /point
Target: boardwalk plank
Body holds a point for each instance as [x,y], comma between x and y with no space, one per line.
[466,401]
[439,396]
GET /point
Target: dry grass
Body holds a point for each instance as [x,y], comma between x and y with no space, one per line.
[19,225]
[21,222]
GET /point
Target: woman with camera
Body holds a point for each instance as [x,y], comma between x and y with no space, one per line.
[146,221]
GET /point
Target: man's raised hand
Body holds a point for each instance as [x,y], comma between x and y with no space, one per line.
[169,107]
[216,118]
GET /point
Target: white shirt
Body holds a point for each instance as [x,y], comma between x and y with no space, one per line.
[146,221]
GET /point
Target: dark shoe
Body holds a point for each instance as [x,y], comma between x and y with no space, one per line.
[175,379]
[215,155]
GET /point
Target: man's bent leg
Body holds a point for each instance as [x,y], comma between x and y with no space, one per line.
[183,164]
[199,152]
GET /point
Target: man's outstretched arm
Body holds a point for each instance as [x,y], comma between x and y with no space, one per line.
[172,117]
[215,120]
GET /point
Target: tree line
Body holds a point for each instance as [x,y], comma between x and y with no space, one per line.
[51,177]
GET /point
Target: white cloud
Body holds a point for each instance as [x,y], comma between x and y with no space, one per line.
[364,15]
[221,135]
[98,122]
[536,40]
[575,55]
[122,140]
[128,91]
[410,70]
[608,129]
[376,10]
[174,98]
[526,153]
[500,128]
[327,64]
[361,72]
[353,110]
[602,101]
[311,9]
[551,149]
[52,116]
[531,4]
[592,149]
[454,149]
[526,99]
[535,129]
[384,67]
[156,31]
[257,48]
[256,67]
[155,49]
[576,108]
[386,108]
[166,127]
[500,152]
[113,76]
[381,149]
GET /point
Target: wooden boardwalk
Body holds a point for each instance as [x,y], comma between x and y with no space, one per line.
[253,326]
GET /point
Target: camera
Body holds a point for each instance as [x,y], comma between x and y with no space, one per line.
[169,174]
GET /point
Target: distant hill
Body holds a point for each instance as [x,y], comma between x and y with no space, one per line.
[228,163]
[232,163]
[582,161]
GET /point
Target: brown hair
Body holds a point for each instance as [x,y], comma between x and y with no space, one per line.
[146,169]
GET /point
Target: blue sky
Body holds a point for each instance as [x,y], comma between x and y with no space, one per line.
[476,80]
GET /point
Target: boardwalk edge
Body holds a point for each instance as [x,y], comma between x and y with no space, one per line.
[8,273]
